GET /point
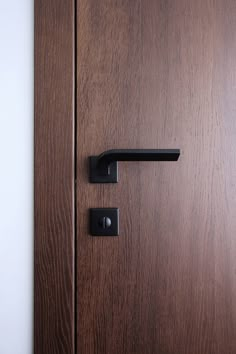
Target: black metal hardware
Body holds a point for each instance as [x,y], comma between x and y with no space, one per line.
[104,167]
[104,222]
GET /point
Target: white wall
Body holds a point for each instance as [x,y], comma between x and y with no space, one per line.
[16,176]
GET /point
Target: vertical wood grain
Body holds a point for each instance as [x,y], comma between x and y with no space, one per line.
[158,74]
[54,177]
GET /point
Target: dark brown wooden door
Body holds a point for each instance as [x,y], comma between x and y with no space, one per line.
[158,74]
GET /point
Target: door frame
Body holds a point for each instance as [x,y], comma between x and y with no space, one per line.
[54,176]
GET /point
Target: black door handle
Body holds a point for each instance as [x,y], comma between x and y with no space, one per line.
[104,167]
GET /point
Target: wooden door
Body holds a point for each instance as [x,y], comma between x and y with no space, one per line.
[158,74]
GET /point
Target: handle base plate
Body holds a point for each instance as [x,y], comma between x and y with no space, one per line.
[98,176]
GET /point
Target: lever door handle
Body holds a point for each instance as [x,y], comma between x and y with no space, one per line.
[104,167]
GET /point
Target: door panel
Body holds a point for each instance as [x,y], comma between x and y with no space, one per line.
[158,74]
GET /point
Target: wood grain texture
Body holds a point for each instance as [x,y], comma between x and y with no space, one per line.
[54,177]
[158,74]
